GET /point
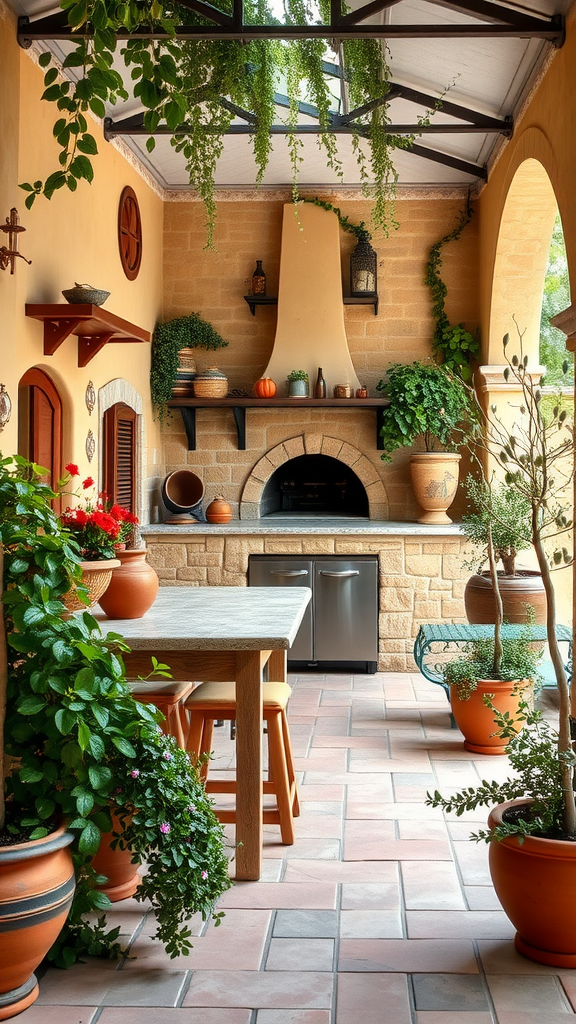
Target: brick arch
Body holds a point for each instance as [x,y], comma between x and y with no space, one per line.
[313,444]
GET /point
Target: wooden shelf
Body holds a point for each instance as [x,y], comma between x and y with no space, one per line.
[348,300]
[93,326]
[188,408]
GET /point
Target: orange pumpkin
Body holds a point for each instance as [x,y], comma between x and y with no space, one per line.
[265,387]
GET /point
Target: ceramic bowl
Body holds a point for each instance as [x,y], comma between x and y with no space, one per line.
[84,293]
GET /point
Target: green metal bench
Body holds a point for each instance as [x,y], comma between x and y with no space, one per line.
[433,640]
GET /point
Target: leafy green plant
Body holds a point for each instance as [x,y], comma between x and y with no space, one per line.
[183,332]
[360,230]
[427,402]
[502,510]
[77,743]
[297,375]
[452,344]
[198,86]
[519,660]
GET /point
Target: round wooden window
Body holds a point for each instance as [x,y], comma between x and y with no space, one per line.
[129,233]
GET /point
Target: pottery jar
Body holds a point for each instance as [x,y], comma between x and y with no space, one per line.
[219,511]
[133,587]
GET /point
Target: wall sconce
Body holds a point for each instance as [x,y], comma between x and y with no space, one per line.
[8,254]
[5,407]
[363,267]
[90,397]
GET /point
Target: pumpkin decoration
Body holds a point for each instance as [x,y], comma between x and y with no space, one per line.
[265,388]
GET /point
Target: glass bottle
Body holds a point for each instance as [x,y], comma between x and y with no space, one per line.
[320,385]
[258,280]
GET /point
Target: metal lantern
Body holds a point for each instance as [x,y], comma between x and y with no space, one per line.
[363,268]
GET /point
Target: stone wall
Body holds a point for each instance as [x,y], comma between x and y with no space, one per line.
[421,577]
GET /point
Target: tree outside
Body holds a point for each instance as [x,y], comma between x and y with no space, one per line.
[556,297]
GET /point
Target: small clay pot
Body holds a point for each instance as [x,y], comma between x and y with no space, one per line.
[219,511]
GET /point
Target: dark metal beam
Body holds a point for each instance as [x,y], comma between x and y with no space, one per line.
[525,26]
[446,107]
[487,10]
[135,126]
[354,17]
[449,161]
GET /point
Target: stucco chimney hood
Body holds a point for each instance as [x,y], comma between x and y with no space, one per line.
[310,328]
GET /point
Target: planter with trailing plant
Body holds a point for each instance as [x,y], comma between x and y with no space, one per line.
[533,839]
[431,406]
[506,511]
[77,745]
[184,332]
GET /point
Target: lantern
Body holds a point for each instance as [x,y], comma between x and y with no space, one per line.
[363,267]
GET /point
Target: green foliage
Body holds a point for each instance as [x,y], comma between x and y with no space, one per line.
[520,658]
[184,332]
[197,86]
[427,402]
[556,298]
[452,344]
[358,230]
[537,766]
[502,510]
[78,743]
[297,375]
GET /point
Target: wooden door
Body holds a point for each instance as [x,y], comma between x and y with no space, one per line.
[40,423]
[120,455]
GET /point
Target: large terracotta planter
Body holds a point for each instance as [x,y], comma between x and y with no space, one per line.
[96,577]
[535,882]
[122,874]
[36,888]
[434,482]
[476,721]
[133,587]
[518,592]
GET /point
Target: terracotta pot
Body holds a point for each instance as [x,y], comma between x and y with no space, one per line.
[435,482]
[219,511]
[518,592]
[36,888]
[122,874]
[535,882]
[96,577]
[476,721]
[133,587]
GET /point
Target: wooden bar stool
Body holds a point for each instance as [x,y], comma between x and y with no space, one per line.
[212,701]
[169,698]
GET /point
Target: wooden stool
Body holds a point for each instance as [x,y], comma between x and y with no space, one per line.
[169,699]
[213,701]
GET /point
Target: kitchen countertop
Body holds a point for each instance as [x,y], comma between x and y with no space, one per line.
[215,619]
[303,525]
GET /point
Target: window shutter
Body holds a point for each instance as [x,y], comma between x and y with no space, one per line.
[120,455]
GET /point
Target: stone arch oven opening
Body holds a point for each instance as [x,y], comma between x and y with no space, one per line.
[314,485]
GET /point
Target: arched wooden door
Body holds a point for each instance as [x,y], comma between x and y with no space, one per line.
[40,423]
[119,477]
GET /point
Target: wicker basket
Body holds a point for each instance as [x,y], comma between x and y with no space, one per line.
[210,384]
[95,577]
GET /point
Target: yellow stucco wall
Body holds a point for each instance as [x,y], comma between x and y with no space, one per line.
[71,238]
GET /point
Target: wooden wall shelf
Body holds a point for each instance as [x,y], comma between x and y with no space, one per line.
[348,300]
[188,408]
[93,326]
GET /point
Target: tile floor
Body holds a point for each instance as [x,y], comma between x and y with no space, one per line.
[381,913]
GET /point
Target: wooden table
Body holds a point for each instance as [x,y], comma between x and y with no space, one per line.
[223,633]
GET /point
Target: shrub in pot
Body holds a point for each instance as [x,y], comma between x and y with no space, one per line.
[533,839]
[429,405]
[504,510]
[77,743]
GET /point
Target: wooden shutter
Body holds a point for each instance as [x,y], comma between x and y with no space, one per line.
[120,455]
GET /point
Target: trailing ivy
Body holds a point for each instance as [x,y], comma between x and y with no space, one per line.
[453,345]
[359,230]
[184,332]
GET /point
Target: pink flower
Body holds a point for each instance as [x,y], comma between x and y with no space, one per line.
[134,773]
[167,755]
[191,809]
[72,468]
[204,875]
[165,828]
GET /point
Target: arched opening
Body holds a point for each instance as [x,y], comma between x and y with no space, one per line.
[40,423]
[314,485]
[555,299]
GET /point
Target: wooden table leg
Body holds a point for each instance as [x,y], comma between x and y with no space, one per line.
[249,765]
[277,666]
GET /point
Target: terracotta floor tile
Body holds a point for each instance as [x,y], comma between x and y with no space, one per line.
[328,793]
[371,924]
[315,825]
[427,955]
[395,811]
[453,1017]
[499,956]
[161,1015]
[431,886]
[481,897]
[307,894]
[42,1014]
[145,986]
[363,839]
[472,859]
[299,954]
[293,1017]
[84,984]
[451,924]
[261,989]
[429,829]
[525,993]
[568,982]
[373,999]
[352,742]
[218,949]
[384,895]
[540,1017]
[336,871]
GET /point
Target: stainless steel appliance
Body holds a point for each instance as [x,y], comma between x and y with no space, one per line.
[340,626]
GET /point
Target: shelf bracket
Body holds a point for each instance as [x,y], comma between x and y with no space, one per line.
[55,332]
[188,414]
[240,417]
[90,345]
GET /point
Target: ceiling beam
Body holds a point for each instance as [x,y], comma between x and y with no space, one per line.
[135,126]
[524,26]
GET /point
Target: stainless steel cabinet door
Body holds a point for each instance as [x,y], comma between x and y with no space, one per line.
[287,572]
[345,610]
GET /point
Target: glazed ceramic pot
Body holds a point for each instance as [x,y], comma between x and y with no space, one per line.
[122,875]
[434,482]
[133,587]
[535,881]
[219,511]
[476,721]
[36,889]
[519,593]
[96,577]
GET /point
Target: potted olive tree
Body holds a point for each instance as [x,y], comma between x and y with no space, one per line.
[532,831]
[77,746]
[430,406]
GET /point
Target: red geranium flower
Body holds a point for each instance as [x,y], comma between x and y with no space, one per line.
[72,468]
[88,482]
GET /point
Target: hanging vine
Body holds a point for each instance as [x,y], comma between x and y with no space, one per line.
[452,345]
